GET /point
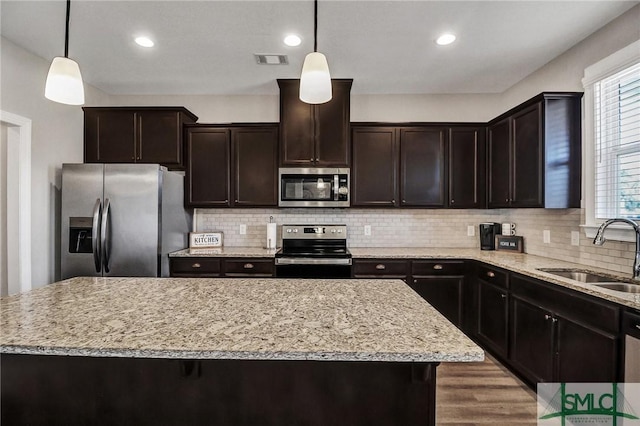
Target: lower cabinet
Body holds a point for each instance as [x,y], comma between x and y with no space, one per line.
[493,317]
[211,267]
[532,341]
[558,335]
[380,268]
[442,284]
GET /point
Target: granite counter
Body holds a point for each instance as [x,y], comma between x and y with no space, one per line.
[277,319]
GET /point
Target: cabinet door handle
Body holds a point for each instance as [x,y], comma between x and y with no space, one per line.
[504,296]
[311,160]
[554,319]
[415,281]
[437,267]
[195,265]
[453,201]
[393,201]
[638,326]
[491,274]
[547,316]
[248,266]
[380,267]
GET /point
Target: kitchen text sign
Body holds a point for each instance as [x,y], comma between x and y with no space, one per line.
[205,239]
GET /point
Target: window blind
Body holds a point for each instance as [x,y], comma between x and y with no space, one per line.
[617,144]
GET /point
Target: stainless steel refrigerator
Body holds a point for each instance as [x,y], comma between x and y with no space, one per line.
[121,219]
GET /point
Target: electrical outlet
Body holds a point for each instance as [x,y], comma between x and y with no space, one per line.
[471,230]
[243,229]
[575,238]
[367,230]
[546,236]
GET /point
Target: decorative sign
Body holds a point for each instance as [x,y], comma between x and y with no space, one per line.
[205,239]
[509,243]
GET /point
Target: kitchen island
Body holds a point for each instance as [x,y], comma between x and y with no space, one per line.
[224,351]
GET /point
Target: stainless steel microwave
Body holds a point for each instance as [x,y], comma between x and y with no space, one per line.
[313,187]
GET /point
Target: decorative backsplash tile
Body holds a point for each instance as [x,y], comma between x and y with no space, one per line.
[427,228]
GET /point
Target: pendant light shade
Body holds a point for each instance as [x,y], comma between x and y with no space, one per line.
[315,80]
[64,81]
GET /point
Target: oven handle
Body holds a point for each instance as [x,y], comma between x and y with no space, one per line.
[311,261]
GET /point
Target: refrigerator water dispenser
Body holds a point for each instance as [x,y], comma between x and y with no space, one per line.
[80,235]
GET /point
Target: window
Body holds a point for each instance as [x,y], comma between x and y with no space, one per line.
[617,144]
[611,142]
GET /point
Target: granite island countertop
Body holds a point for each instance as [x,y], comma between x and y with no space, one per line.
[213,318]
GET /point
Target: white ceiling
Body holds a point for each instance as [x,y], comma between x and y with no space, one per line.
[207,47]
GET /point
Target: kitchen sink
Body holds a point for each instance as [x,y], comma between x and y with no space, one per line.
[579,275]
[624,287]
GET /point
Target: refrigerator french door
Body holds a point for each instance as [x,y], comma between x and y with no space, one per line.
[121,219]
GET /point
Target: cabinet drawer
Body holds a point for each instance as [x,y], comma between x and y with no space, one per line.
[494,276]
[380,268]
[565,302]
[195,267]
[437,267]
[248,267]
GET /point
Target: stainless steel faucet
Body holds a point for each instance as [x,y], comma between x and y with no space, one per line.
[599,240]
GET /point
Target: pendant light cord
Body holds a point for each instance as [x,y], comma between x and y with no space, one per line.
[66,31]
[315,25]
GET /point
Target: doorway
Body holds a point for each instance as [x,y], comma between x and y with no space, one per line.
[15,203]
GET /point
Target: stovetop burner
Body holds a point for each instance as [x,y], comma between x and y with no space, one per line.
[328,241]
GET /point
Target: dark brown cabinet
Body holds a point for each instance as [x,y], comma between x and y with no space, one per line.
[195,267]
[442,284]
[209,267]
[135,135]
[231,166]
[398,166]
[314,135]
[467,171]
[208,177]
[380,268]
[422,166]
[534,154]
[374,171]
[562,337]
[493,309]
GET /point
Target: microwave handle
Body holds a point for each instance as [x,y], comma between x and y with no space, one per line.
[336,186]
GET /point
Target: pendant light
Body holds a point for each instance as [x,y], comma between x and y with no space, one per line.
[315,80]
[64,81]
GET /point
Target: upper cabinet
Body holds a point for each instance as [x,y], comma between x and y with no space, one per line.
[314,135]
[467,171]
[399,166]
[231,166]
[135,135]
[534,155]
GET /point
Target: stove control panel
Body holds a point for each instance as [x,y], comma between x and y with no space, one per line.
[314,231]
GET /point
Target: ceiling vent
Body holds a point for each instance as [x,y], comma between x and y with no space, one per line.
[264,59]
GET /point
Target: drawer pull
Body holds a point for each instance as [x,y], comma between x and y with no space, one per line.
[437,267]
[491,274]
[380,267]
[195,265]
[248,266]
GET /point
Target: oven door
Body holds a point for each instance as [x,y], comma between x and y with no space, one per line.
[313,187]
[295,267]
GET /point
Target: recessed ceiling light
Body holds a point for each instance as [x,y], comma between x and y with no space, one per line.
[445,39]
[292,40]
[144,41]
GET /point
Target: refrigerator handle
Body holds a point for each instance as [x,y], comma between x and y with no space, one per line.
[95,240]
[104,234]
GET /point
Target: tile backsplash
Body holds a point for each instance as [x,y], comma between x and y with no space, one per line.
[427,228]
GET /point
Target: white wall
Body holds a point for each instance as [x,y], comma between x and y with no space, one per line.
[56,138]
[565,72]
[4,140]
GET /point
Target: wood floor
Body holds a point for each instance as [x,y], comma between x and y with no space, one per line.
[482,393]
